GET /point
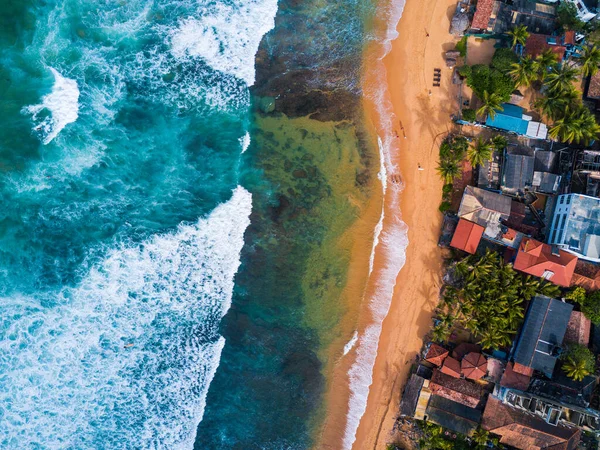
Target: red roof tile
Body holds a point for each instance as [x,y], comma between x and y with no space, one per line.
[537,43]
[524,431]
[569,37]
[523,370]
[461,391]
[451,367]
[474,366]
[536,258]
[578,329]
[481,19]
[436,354]
[467,236]
[515,380]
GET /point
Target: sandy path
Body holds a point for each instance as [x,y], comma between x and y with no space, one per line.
[425,118]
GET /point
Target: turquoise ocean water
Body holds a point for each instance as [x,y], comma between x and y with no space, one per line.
[156,223]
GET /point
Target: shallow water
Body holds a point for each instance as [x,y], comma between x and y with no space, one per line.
[128,131]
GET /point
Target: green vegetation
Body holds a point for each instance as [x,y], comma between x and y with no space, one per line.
[461,46]
[591,307]
[452,152]
[469,115]
[575,125]
[486,298]
[578,362]
[479,152]
[492,103]
[503,59]
[576,295]
[437,438]
[524,72]
[499,142]
[591,60]
[518,35]
[567,17]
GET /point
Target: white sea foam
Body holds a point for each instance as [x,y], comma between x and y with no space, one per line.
[350,344]
[62,104]
[245,141]
[226,36]
[394,241]
[124,359]
[389,243]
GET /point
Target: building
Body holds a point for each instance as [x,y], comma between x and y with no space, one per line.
[456,389]
[514,379]
[483,207]
[485,14]
[541,260]
[452,415]
[521,430]
[512,119]
[575,226]
[436,354]
[537,44]
[467,236]
[410,395]
[550,410]
[578,329]
[451,367]
[517,171]
[474,366]
[541,336]
[537,16]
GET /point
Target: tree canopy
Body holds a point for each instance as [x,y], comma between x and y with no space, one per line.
[486,298]
[578,362]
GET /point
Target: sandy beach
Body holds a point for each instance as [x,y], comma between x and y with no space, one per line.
[410,131]
[423,39]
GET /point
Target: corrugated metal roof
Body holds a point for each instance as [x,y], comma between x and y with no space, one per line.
[518,172]
[453,415]
[410,396]
[542,332]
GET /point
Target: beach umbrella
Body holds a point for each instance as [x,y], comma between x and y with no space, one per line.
[474,366]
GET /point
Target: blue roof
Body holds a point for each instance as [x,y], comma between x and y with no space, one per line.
[509,119]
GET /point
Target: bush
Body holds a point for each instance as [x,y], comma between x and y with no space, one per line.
[469,115]
[461,46]
[464,71]
[447,189]
[445,207]
[483,78]
[591,307]
[503,60]
[576,295]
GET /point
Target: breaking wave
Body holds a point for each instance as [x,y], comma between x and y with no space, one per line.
[61,106]
[124,359]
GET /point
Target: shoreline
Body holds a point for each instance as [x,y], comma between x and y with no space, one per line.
[423,38]
[398,299]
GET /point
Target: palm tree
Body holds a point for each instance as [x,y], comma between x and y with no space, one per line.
[552,106]
[544,61]
[480,152]
[577,125]
[519,35]
[499,142]
[576,369]
[440,333]
[524,72]
[480,436]
[561,78]
[448,170]
[491,104]
[591,60]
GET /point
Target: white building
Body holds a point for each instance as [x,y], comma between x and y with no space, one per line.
[576,225]
[582,11]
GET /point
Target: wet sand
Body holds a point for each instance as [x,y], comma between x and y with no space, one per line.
[414,118]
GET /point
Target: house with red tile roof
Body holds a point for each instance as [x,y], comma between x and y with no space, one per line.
[467,236]
[540,260]
[436,354]
[483,14]
[524,431]
[461,391]
[536,44]
[451,367]
[473,366]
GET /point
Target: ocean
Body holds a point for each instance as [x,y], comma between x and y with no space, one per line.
[177,179]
